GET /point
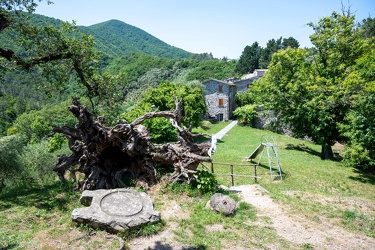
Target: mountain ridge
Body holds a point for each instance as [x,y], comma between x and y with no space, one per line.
[117,38]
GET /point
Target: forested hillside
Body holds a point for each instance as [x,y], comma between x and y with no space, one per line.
[117,38]
[114,38]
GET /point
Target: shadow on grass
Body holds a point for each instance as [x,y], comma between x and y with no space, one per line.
[364,176]
[302,148]
[208,125]
[284,174]
[48,197]
[11,246]
[160,246]
[202,138]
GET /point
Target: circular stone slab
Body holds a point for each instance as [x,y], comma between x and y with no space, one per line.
[121,203]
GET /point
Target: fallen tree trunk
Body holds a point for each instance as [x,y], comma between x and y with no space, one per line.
[106,156]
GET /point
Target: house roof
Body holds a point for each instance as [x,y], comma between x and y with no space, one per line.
[218,81]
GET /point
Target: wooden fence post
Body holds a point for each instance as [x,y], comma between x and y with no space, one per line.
[231,174]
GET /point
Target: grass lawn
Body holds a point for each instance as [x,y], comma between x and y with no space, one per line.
[316,190]
[310,186]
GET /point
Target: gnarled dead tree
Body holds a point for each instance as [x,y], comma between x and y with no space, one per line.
[105,155]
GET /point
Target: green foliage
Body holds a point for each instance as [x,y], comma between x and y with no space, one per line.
[368,25]
[37,163]
[358,124]
[246,114]
[61,53]
[272,47]
[290,42]
[307,92]
[254,56]
[307,246]
[245,98]
[37,124]
[162,99]
[249,59]
[218,69]
[160,129]
[118,38]
[284,89]
[205,182]
[183,189]
[22,163]
[10,169]
[202,56]
[55,143]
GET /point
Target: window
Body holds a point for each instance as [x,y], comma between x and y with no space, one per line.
[220,117]
[221,102]
[220,88]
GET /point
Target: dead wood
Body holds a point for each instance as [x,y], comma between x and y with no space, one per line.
[108,156]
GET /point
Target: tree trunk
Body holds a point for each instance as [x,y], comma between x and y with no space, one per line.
[327,153]
[108,156]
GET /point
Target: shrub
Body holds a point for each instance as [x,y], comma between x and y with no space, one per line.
[10,168]
[205,182]
[246,114]
[356,156]
[37,162]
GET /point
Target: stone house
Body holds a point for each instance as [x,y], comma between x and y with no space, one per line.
[220,95]
[219,98]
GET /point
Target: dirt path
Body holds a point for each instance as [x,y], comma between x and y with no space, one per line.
[322,235]
[293,228]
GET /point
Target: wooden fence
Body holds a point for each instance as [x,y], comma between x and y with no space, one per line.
[231,167]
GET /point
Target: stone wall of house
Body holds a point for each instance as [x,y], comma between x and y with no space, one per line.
[242,85]
[212,97]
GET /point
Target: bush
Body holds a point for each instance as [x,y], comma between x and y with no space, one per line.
[358,128]
[161,130]
[246,114]
[37,162]
[205,182]
[356,156]
[10,168]
[37,124]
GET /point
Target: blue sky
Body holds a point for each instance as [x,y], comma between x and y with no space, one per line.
[223,27]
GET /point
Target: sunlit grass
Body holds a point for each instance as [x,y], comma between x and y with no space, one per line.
[310,185]
[208,127]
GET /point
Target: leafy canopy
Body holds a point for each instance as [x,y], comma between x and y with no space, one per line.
[162,98]
[61,53]
[306,90]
